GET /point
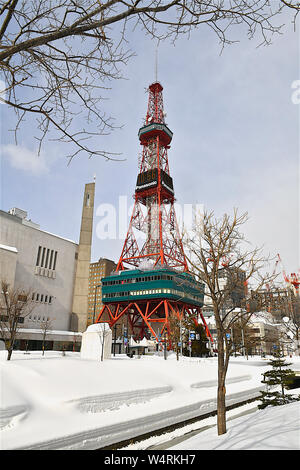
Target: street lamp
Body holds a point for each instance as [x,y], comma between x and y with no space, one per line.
[180,339]
[115,339]
[95,298]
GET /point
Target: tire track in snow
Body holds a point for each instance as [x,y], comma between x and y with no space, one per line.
[114,401]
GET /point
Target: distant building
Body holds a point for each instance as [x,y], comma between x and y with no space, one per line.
[267,333]
[102,268]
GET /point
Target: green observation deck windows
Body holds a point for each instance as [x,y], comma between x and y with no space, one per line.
[140,285]
[155,129]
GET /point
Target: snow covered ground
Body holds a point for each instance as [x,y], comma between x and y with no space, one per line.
[65,402]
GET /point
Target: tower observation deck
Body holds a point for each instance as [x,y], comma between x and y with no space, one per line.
[152,282]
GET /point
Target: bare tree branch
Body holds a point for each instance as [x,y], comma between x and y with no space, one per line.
[15,305]
[58,58]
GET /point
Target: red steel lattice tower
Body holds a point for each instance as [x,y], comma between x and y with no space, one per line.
[157,285]
[155,194]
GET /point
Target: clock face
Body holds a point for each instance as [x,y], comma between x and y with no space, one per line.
[149,179]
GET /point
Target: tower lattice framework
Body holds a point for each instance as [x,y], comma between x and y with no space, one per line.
[153,212]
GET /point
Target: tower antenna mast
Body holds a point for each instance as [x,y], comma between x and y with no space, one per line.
[156,61]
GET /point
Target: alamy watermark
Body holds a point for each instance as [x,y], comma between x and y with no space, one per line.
[296,94]
[115,219]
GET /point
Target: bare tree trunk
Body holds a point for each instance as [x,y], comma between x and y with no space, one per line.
[9,353]
[10,348]
[221,405]
[103,341]
[43,345]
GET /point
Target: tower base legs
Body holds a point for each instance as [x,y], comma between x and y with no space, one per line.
[151,318]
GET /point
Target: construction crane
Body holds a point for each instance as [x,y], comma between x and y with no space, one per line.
[225,260]
[293,279]
[271,283]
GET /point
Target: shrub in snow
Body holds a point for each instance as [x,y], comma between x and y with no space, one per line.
[276,380]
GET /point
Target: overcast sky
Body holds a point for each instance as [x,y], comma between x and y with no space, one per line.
[235,143]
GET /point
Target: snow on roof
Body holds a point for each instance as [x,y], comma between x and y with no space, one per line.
[132,343]
[144,342]
[9,248]
[98,327]
[49,332]
[262,317]
[57,236]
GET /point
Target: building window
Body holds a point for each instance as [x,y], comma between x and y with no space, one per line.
[4,318]
[38,256]
[47,258]
[43,257]
[54,262]
[51,258]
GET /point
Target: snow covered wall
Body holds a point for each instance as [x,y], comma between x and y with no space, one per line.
[95,338]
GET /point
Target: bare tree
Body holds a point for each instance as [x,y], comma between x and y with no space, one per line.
[58,58]
[16,304]
[102,336]
[218,256]
[46,326]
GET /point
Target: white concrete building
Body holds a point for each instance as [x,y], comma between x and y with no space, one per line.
[34,259]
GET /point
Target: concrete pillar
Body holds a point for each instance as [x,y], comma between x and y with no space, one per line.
[81,285]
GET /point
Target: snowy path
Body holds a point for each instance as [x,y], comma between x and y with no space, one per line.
[185,434]
[274,428]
